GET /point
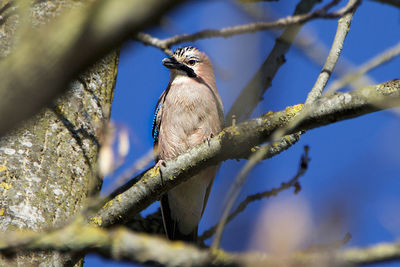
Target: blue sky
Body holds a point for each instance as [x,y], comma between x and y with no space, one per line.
[354,173]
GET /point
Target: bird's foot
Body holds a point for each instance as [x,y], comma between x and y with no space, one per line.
[208,138]
[160,163]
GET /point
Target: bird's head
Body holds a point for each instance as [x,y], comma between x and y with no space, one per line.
[188,61]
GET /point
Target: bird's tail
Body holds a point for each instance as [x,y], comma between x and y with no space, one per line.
[171,226]
[177,235]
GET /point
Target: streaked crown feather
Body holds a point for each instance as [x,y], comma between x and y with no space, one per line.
[179,52]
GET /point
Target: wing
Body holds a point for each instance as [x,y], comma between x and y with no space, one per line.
[156,123]
[157,116]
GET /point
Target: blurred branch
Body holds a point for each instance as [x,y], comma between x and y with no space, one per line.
[332,245]
[150,224]
[47,58]
[237,142]
[395,3]
[164,44]
[6,10]
[255,1]
[234,191]
[253,92]
[118,244]
[334,54]
[237,185]
[377,61]
[147,39]
[122,244]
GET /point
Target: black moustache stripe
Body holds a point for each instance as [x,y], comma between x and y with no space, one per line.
[189,71]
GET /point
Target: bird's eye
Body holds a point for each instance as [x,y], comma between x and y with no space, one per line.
[191,62]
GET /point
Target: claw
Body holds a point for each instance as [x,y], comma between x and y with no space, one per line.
[208,139]
[160,163]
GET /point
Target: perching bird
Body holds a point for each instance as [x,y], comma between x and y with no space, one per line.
[188,112]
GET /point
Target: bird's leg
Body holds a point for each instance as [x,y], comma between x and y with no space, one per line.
[160,163]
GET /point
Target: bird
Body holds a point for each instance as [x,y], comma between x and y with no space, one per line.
[188,112]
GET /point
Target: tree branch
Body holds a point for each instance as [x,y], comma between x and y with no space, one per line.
[237,142]
[122,244]
[118,244]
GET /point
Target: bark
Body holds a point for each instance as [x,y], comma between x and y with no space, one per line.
[48,166]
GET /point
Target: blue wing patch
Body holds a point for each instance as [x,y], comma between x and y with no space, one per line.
[156,125]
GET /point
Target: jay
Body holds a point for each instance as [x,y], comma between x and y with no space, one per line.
[188,112]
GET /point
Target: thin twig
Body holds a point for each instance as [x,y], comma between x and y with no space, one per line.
[330,246]
[334,54]
[376,61]
[294,182]
[164,44]
[147,39]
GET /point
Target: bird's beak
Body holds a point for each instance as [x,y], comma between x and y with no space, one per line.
[171,63]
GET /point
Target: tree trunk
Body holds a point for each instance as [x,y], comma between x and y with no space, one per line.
[48,166]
